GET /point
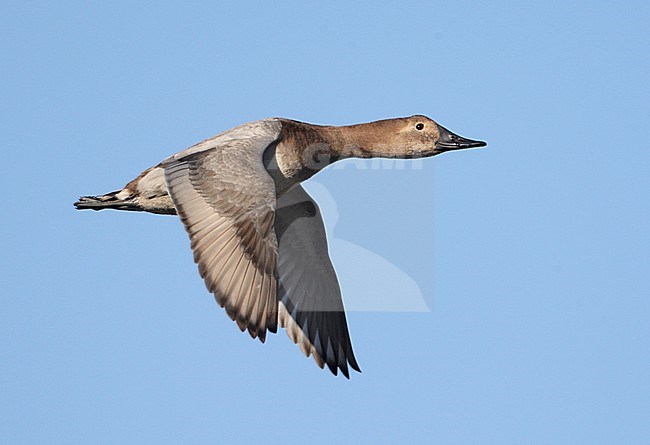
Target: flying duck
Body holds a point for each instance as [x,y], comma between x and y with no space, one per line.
[257,236]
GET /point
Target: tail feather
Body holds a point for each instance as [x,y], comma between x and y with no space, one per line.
[107,201]
[146,193]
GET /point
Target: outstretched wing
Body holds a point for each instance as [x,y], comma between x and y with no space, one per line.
[226,201]
[311,309]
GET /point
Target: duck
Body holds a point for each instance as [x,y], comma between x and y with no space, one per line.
[257,236]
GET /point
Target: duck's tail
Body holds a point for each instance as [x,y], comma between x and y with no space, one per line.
[108,201]
[146,193]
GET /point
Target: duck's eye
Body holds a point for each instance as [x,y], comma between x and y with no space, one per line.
[419,126]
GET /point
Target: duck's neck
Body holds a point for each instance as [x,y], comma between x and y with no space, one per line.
[305,149]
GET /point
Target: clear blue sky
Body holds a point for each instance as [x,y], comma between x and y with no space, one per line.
[533,254]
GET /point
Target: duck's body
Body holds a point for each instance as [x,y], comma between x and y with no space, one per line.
[257,236]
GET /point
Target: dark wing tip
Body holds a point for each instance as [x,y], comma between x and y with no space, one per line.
[353,361]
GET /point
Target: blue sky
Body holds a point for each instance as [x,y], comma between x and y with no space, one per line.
[532,254]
